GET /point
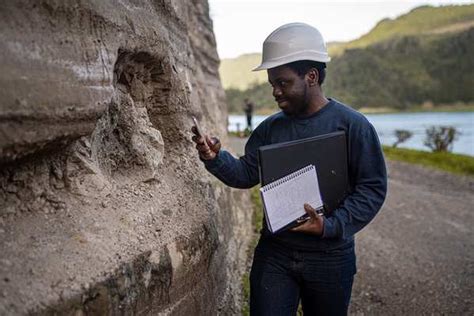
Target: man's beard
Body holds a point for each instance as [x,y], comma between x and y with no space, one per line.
[298,106]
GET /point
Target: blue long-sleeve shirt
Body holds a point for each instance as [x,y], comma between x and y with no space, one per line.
[366,166]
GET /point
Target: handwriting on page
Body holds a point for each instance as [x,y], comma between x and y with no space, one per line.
[284,198]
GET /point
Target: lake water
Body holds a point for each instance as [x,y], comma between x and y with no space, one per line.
[417,123]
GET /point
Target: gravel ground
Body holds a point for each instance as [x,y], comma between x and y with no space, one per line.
[417,256]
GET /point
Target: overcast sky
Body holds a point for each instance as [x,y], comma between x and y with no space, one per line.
[241,26]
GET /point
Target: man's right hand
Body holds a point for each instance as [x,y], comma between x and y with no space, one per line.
[207,147]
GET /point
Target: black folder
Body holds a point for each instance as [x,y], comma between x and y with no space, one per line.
[327,152]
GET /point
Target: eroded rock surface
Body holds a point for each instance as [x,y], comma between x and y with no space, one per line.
[104,205]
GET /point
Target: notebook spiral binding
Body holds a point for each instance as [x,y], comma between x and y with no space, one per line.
[289,177]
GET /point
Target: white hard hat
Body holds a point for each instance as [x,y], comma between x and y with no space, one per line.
[292,42]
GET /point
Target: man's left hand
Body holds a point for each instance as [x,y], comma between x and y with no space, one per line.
[314,225]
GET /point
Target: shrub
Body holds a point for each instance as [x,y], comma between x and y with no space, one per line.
[440,138]
[402,135]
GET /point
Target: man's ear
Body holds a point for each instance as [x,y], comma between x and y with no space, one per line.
[312,76]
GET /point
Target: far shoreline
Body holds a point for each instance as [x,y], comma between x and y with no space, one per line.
[457,108]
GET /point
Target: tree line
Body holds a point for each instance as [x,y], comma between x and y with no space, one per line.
[399,73]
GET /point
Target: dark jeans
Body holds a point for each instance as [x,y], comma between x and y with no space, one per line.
[281,276]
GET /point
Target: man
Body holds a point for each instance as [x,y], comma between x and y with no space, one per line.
[314,262]
[248,109]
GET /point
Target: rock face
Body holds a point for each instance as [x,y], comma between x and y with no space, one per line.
[104,206]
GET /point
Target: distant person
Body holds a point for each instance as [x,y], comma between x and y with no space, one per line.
[314,262]
[248,109]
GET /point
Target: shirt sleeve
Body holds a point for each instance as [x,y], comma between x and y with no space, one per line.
[368,177]
[240,172]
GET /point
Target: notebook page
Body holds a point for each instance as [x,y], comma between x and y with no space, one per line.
[284,201]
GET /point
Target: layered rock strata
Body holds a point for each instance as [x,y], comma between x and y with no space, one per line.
[104,205]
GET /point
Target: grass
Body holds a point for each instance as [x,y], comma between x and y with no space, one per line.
[257,226]
[246,294]
[258,214]
[455,163]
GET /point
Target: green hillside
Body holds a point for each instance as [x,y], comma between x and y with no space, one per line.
[422,20]
[424,56]
[406,72]
[237,72]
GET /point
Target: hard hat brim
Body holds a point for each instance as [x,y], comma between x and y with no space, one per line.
[322,58]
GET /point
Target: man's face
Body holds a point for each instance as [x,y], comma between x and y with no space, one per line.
[289,90]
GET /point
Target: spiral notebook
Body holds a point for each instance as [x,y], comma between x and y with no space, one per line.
[328,153]
[284,198]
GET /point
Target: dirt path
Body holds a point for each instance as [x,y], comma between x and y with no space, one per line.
[417,256]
